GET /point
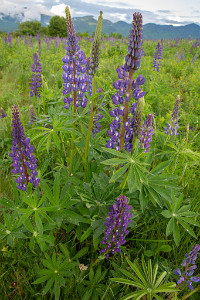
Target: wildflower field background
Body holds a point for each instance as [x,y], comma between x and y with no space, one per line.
[96,220]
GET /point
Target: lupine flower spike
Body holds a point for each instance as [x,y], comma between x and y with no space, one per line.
[119,100]
[3,114]
[117,222]
[36,77]
[189,270]
[173,127]
[122,136]
[146,133]
[97,117]
[157,57]
[24,161]
[96,46]
[74,76]
[132,59]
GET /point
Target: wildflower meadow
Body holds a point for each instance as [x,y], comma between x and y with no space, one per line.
[99,166]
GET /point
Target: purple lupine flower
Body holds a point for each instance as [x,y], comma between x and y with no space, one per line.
[192,256]
[25,40]
[31,42]
[36,76]
[74,76]
[146,133]
[194,58]
[24,161]
[117,222]
[189,271]
[9,39]
[3,114]
[134,54]
[89,76]
[173,127]
[119,100]
[157,57]
[183,55]
[97,117]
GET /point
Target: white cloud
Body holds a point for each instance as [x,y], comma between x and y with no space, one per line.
[59,10]
[118,17]
[24,11]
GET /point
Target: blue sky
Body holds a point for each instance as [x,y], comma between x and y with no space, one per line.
[168,12]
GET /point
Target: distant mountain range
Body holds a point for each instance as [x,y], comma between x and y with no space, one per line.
[88,24]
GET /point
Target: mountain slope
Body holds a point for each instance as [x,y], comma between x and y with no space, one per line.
[88,24]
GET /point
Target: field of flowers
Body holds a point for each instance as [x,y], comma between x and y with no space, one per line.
[99,167]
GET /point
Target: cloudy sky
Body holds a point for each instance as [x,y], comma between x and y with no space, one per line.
[168,12]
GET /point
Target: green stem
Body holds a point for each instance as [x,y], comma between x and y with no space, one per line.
[89,127]
[73,132]
[123,184]
[191,293]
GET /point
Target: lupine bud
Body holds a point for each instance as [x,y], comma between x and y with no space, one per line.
[157,57]
[96,46]
[138,117]
[36,77]
[24,162]
[117,222]
[3,114]
[135,44]
[146,133]
[189,271]
[173,127]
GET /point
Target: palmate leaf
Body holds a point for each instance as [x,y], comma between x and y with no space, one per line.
[135,295]
[179,216]
[54,274]
[119,173]
[48,286]
[147,281]
[126,281]
[126,154]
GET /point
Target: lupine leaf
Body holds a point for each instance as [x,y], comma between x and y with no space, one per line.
[176,232]
[160,168]
[187,227]
[48,286]
[119,173]
[117,153]
[42,279]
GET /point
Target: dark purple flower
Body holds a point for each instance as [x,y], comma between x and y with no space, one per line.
[97,116]
[194,58]
[75,77]
[36,80]
[173,127]
[117,222]
[157,57]
[119,100]
[24,161]
[3,114]
[189,271]
[146,133]
[135,44]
